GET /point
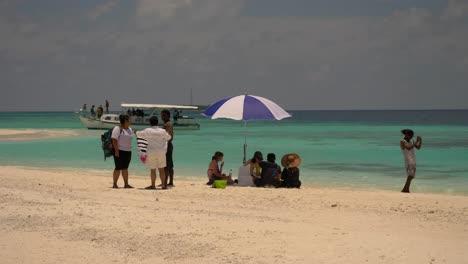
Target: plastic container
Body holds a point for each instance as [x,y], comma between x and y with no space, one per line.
[221,184]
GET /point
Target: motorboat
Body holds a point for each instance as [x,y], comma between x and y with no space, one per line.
[140,115]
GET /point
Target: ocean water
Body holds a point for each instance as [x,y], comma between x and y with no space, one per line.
[357,149]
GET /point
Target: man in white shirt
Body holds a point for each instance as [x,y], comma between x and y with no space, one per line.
[157,139]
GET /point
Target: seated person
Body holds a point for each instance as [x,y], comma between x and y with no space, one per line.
[290,178]
[271,172]
[215,172]
[290,174]
[254,164]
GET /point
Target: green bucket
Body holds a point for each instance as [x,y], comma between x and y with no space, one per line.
[220,184]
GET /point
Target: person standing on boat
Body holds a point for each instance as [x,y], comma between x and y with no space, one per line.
[93,113]
[107,107]
[166,117]
[100,111]
[122,141]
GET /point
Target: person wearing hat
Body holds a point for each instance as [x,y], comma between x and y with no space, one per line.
[290,174]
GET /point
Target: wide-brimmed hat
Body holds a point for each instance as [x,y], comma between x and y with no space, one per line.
[291,160]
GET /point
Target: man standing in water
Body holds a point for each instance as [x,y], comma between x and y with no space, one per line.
[407,145]
[166,117]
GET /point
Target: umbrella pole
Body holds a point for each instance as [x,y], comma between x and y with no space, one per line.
[245,141]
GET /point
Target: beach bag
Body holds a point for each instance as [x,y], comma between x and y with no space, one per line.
[106,143]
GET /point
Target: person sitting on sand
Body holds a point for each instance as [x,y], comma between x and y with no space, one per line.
[407,146]
[290,174]
[271,172]
[255,169]
[215,171]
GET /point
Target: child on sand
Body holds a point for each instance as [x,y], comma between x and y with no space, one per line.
[407,146]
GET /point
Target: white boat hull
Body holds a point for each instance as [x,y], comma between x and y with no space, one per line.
[93,123]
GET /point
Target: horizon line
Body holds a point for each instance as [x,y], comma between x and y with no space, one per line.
[296,110]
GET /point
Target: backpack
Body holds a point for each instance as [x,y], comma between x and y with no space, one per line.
[106,143]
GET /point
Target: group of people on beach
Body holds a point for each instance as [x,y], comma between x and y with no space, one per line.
[97,112]
[264,173]
[268,173]
[157,154]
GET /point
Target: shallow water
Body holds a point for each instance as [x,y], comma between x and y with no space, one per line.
[339,148]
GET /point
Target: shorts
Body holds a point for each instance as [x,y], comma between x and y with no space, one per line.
[169,160]
[123,161]
[411,170]
[155,160]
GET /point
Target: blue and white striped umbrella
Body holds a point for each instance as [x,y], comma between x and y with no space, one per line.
[246,108]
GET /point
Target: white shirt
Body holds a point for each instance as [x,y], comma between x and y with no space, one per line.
[157,139]
[409,155]
[124,138]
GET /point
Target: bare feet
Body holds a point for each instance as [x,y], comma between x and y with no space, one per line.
[128,186]
[115,186]
[151,187]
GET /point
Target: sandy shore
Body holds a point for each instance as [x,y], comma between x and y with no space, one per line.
[33,134]
[69,217]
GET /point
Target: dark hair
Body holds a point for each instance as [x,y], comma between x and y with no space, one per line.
[258,156]
[167,112]
[154,121]
[271,157]
[407,132]
[123,118]
[217,155]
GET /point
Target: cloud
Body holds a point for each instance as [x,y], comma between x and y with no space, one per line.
[456,9]
[150,13]
[101,9]
[210,46]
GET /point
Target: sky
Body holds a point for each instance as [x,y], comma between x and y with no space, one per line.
[56,55]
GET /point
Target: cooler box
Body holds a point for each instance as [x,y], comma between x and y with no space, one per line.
[244,177]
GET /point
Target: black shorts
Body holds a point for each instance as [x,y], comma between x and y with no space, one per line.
[169,160]
[123,161]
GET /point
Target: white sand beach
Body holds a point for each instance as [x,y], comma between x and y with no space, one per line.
[33,134]
[72,217]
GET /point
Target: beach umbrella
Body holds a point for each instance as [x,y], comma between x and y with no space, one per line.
[246,108]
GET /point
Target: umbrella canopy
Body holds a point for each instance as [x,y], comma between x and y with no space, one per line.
[246,108]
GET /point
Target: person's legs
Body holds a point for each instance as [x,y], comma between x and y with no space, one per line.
[406,188]
[153,178]
[116,175]
[411,172]
[170,175]
[125,178]
[169,168]
[162,174]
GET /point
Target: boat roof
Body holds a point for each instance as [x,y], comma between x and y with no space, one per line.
[161,106]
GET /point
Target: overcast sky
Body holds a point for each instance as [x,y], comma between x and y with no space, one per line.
[303,54]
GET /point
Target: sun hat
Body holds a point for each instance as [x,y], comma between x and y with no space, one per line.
[291,160]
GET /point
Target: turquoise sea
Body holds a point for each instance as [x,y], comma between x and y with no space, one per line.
[358,149]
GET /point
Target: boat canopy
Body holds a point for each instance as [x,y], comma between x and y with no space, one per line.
[160,106]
